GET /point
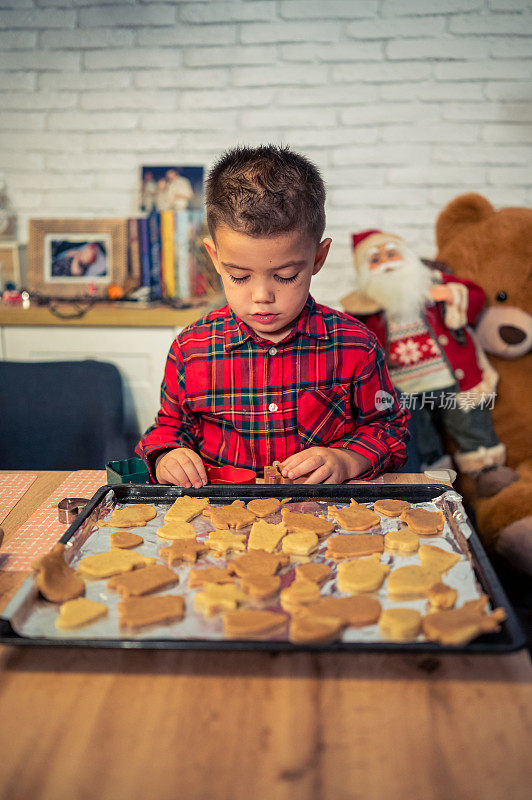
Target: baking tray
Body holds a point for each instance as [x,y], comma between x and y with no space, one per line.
[510,638]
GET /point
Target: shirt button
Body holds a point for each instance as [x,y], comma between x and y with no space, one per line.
[272,407]
[443,340]
[272,351]
[459,373]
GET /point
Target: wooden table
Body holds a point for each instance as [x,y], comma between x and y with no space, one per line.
[82,723]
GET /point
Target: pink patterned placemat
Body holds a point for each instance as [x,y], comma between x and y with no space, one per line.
[12,487]
[37,535]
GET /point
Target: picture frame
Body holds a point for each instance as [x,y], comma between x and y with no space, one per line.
[76,257]
[174,187]
[9,264]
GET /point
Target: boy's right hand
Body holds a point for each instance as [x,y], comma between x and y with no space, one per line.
[181,467]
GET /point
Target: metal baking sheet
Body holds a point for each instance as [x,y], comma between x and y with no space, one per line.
[30,619]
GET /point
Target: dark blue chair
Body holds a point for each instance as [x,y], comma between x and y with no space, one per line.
[62,415]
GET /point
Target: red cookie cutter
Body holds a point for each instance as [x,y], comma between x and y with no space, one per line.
[224,475]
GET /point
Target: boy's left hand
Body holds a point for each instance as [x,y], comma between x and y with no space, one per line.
[325,465]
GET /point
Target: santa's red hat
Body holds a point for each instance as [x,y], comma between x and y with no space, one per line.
[359,237]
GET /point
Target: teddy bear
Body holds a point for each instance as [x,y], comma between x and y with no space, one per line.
[493,248]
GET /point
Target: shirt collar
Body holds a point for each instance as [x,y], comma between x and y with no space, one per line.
[309,323]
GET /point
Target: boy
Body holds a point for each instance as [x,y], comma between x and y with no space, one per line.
[273,376]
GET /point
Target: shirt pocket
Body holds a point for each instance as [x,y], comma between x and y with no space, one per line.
[323,415]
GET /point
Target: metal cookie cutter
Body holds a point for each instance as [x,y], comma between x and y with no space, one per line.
[69,507]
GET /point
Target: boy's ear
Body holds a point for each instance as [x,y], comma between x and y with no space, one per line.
[321,255]
[211,249]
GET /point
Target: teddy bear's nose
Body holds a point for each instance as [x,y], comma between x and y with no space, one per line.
[511,335]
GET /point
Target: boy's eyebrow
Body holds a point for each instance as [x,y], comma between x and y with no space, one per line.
[248,269]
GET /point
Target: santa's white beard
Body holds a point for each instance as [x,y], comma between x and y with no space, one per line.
[402,292]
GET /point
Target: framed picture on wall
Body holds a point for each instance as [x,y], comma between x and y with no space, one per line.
[171,188]
[73,257]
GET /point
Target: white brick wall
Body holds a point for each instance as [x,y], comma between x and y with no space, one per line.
[402,103]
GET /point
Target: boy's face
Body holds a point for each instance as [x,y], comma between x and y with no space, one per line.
[266,281]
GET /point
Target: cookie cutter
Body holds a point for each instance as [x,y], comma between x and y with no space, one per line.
[69,507]
[128,470]
[224,475]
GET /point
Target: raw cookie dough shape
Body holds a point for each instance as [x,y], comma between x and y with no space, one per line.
[317,573]
[232,516]
[125,539]
[301,543]
[135,612]
[55,580]
[135,516]
[249,623]
[306,629]
[265,536]
[186,508]
[201,576]
[217,597]
[356,611]
[345,545]
[182,550]
[436,558]
[362,575]
[401,541]
[442,596]
[423,522]
[103,565]
[222,541]
[400,624]
[172,531]
[257,562]
[411,582]
[142,581]
[296,522]
[263,506]
[261,587]
[79,612]
[458,626]
[354,518]
[390,508]
[299,593]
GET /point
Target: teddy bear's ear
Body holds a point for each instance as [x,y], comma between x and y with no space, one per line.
[460,213]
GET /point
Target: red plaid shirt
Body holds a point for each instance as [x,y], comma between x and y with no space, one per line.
[241,400]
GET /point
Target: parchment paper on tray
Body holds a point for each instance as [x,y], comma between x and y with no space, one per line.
[36,617]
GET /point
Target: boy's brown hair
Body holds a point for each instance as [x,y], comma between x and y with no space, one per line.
[265,191]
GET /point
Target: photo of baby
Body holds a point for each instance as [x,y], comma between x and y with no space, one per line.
[77,260]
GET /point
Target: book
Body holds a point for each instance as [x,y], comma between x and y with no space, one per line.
[134,268]
[154,236]
[167,253]
[182,253]
[144,248]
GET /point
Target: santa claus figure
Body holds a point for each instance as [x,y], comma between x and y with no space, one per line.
[421,316]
